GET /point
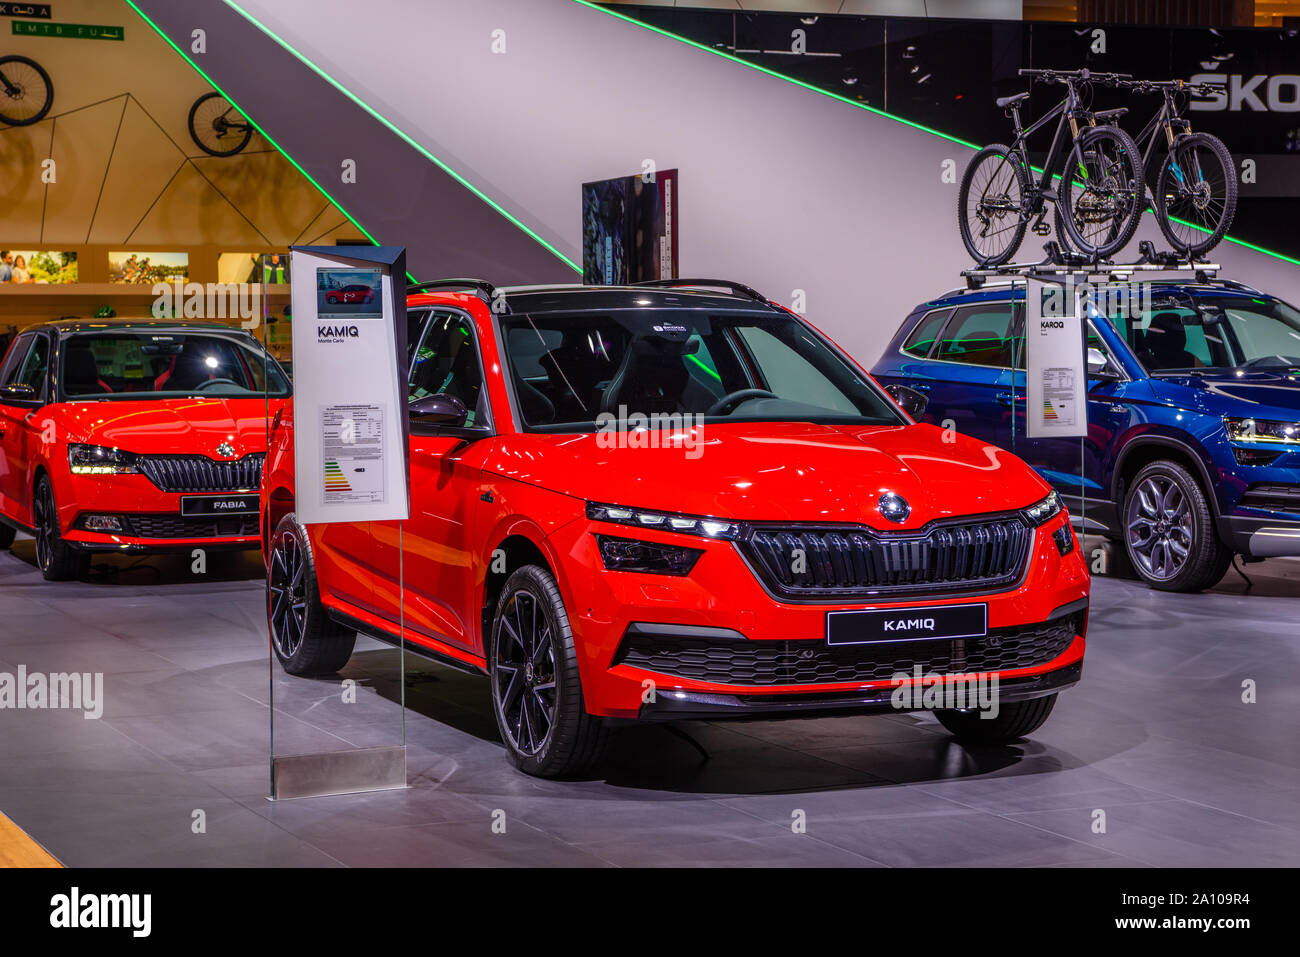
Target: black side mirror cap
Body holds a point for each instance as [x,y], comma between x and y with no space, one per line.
[441,409]
[911,401]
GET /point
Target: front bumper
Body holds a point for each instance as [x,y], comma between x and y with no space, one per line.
[1266,522]
[711,706]
[721,598]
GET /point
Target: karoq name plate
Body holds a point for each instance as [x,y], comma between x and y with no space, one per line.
[348,393]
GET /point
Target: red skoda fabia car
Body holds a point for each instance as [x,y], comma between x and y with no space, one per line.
[682,501]
[133,436]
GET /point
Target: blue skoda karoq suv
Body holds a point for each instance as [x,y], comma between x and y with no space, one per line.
[1193,445]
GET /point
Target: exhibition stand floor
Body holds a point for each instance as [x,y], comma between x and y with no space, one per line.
[1153,760]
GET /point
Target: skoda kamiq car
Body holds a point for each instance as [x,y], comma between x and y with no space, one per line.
[131,436]
[681,501]
[1193,447]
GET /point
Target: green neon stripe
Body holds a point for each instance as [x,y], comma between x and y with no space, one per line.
[861,106]
[253,122]
[405,138]
[700,362]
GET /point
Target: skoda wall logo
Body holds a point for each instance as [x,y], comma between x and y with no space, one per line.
[226,450]
[894,507]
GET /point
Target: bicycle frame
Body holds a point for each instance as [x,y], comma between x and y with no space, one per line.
[1067,111]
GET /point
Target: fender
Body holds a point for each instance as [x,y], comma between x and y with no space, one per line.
[1172,441]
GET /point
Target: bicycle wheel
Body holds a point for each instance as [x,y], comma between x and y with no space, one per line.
[26,92]
[217,127]
[1196,193]
[991,206]
[1101,191]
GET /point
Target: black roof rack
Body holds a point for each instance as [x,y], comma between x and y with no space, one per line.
[1057,263]
[486,290]
[736,288]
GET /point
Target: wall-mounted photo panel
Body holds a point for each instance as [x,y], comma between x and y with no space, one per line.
[39,266]
[137,268]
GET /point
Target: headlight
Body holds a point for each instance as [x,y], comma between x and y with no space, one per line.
[1262,430]
[1043,511]
[654,558]
[99,460]
[665,521]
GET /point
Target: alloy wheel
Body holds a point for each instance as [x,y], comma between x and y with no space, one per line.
[288,575]
[525,673]
[45,516]
[1160,527]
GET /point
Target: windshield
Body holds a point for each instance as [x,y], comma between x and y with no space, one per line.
[1179,333]
[142,363]
[573,372]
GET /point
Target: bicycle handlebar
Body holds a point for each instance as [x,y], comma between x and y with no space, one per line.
[1084,76]
[1154,86]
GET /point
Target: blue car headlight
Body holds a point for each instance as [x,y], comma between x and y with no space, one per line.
[1261,430]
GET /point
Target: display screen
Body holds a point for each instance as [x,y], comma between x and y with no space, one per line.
[349,294]
[629,229]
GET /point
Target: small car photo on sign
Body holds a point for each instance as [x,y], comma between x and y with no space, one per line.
[349,294]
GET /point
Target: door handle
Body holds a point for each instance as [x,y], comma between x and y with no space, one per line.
[920,387]
[1007,398]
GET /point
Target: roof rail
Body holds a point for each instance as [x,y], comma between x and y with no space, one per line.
[1234,284]
[485,289]
[736,288]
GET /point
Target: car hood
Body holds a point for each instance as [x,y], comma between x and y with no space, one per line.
[181,426]
[1265,395]
[780,472]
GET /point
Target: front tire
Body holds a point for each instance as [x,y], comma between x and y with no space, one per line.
[1101,192]
[991,205]
[536,690]
[304,637]
[57,560]
[1169,532]
[1015,719]
[1198,185]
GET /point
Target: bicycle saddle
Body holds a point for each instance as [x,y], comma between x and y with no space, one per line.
[1106,116]
[1005,101]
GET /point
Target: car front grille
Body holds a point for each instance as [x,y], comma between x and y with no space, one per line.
[163,526]
[196,473]
[828,562]
[742,661]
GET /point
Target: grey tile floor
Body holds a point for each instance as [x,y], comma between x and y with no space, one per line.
[1156,741]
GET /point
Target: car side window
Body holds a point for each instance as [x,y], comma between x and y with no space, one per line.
[926,332]
[414,330]
[445,362]
[979,335]
[13,360]
[35,367]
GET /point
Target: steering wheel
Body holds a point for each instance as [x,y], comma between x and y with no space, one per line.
[732,399]
[209,383]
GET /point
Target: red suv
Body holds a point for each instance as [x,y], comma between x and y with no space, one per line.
[133,436]
[681,500]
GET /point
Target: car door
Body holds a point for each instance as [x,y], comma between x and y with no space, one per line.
[431,554]
[27,365]
[969,372]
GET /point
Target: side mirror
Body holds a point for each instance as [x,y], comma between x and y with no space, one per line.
[1099,366]
[911,401]
[441,409]
[17,391]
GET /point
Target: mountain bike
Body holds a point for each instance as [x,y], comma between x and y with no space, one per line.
[1194,193]
[217,126]
[1098,198]
[26,92]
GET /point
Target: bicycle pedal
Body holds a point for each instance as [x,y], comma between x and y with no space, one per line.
[1041,229]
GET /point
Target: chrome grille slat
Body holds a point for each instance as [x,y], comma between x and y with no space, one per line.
[195,473]
[848,560]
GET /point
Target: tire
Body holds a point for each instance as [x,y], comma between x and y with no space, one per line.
[57,560]
[7,535]
[303,636]
[30,78]
[210,139]
[1004,169]
[332,300]
[1015,719]
[1196,206]
[1111,158]
[532,660]
[1165,491]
